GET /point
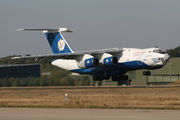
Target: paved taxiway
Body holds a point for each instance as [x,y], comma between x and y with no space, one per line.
[86,114]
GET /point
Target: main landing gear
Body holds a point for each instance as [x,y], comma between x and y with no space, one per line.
[120,77]
[114,78]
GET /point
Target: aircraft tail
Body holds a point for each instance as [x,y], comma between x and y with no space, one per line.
[56,41]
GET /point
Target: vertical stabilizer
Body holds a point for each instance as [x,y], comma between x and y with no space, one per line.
[56,41]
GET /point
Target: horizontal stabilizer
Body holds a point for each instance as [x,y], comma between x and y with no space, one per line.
[47,30]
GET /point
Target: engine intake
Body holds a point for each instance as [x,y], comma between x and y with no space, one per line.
[109,61]
[88,63]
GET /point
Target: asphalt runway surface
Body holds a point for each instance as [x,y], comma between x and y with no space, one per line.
[86,114]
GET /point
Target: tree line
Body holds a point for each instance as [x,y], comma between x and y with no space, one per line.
[174,52]
[58,77]
[27,82]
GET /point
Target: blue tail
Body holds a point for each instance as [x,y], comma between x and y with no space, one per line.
[58,43]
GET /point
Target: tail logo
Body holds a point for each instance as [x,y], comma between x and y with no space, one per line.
[61,45]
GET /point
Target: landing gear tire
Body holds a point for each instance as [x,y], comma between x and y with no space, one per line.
[100,78]
[146,73]
[114,78]
[106,77]
[125,77]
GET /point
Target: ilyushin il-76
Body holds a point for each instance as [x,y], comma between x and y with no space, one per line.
[112,63]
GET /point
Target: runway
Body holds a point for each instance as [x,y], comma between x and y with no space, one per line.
[86,114]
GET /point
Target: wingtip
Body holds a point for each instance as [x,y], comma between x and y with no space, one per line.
[15,58]
[64,30]
[19,29]
[69,31]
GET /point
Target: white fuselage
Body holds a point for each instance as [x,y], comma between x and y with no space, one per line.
[132,58]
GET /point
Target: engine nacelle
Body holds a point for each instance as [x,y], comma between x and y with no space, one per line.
[109,61]
[88,63]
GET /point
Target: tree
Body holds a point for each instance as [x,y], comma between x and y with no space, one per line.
[64,81]
[16,83]
[174,52]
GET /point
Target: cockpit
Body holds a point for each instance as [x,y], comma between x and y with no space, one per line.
[159,51]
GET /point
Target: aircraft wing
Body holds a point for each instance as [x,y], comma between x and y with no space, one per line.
[73,55]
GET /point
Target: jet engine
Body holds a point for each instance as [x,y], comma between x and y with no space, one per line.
[109,61]
[88,63]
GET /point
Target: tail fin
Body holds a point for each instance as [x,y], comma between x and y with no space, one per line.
[56,40]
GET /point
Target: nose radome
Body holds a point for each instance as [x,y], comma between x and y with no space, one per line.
[166,57]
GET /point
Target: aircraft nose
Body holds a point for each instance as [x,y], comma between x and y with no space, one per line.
[166,57]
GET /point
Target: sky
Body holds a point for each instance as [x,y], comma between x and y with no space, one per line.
[96,24]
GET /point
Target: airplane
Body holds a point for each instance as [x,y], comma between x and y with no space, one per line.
[111,63]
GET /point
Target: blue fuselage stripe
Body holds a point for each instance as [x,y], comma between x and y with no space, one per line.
[120,68]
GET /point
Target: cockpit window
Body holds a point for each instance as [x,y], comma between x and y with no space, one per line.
[159,51]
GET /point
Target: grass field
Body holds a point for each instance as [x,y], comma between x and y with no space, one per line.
[136,98]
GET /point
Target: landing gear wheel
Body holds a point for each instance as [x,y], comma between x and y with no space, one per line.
[125,77]
[114,78]
[106,77]
[148,73]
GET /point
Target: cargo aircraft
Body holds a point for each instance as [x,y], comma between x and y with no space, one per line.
[110,63]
